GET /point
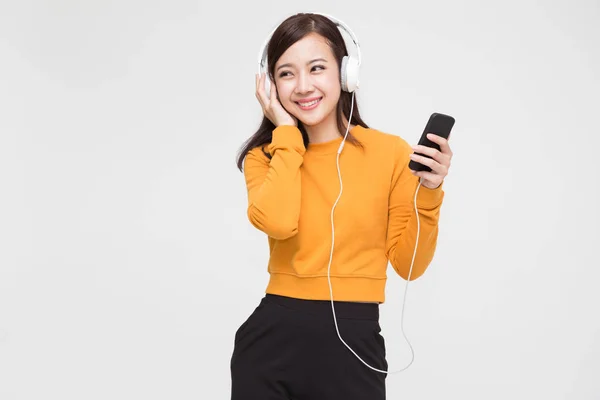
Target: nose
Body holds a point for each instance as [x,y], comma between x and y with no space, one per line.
[304,84]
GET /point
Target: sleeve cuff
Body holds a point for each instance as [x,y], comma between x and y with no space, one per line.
[287,137]
[430,198]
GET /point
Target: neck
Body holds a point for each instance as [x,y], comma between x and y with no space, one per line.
[324,131]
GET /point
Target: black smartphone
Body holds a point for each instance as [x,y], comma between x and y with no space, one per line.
[438,124]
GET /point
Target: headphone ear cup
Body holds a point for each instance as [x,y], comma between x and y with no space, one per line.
[349,74]
[343,73]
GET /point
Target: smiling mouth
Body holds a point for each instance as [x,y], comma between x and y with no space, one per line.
[309,104]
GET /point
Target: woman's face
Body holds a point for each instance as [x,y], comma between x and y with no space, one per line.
[308,81]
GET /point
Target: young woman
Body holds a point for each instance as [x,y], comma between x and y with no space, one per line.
[291,346]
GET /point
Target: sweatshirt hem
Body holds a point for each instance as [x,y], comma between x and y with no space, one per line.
[347,288]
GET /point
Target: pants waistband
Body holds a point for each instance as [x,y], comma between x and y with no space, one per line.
[343,309]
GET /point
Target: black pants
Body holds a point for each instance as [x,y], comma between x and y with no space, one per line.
[289,349]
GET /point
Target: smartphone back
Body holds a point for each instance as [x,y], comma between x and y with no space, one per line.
[438,124]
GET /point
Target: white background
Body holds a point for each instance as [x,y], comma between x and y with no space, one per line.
[126,258]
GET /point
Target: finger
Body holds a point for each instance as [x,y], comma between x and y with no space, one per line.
[429,151]
[444,159]
[257,82]
[432,179]
[444,146]
[260,91]
[431,163]
[273,91]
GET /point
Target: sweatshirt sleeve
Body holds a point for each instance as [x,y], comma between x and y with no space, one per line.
[402,224]
[274,185]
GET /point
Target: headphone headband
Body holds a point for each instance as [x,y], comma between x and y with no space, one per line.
[262,54]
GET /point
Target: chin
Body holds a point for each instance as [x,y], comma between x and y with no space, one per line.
[314,119]
[311,121]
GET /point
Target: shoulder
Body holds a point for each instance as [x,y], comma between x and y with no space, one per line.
[383,141]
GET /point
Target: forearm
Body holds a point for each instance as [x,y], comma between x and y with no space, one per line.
[274,189]
[402,252]
[404,227]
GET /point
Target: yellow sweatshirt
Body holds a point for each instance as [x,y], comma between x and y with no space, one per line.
[290,198]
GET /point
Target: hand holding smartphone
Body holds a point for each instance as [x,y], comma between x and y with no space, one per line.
[438,124]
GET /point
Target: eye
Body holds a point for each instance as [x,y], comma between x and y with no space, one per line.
[319,66]
[281,75]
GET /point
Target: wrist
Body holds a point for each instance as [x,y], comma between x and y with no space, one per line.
[429,186]
[287,137]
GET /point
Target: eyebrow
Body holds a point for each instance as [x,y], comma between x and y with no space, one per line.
[310,62]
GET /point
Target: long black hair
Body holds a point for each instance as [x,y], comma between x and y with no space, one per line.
[287,33]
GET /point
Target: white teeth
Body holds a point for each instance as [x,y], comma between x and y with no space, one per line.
[310,103]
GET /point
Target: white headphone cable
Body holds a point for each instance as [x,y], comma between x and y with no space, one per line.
[331,257]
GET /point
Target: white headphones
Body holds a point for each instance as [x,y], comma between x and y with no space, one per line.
[348,69]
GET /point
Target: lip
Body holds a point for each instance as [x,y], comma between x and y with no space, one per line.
[309,99]
[320,98]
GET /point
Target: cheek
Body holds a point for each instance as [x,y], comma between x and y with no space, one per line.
[333,91]
[285,90]
[331,86]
